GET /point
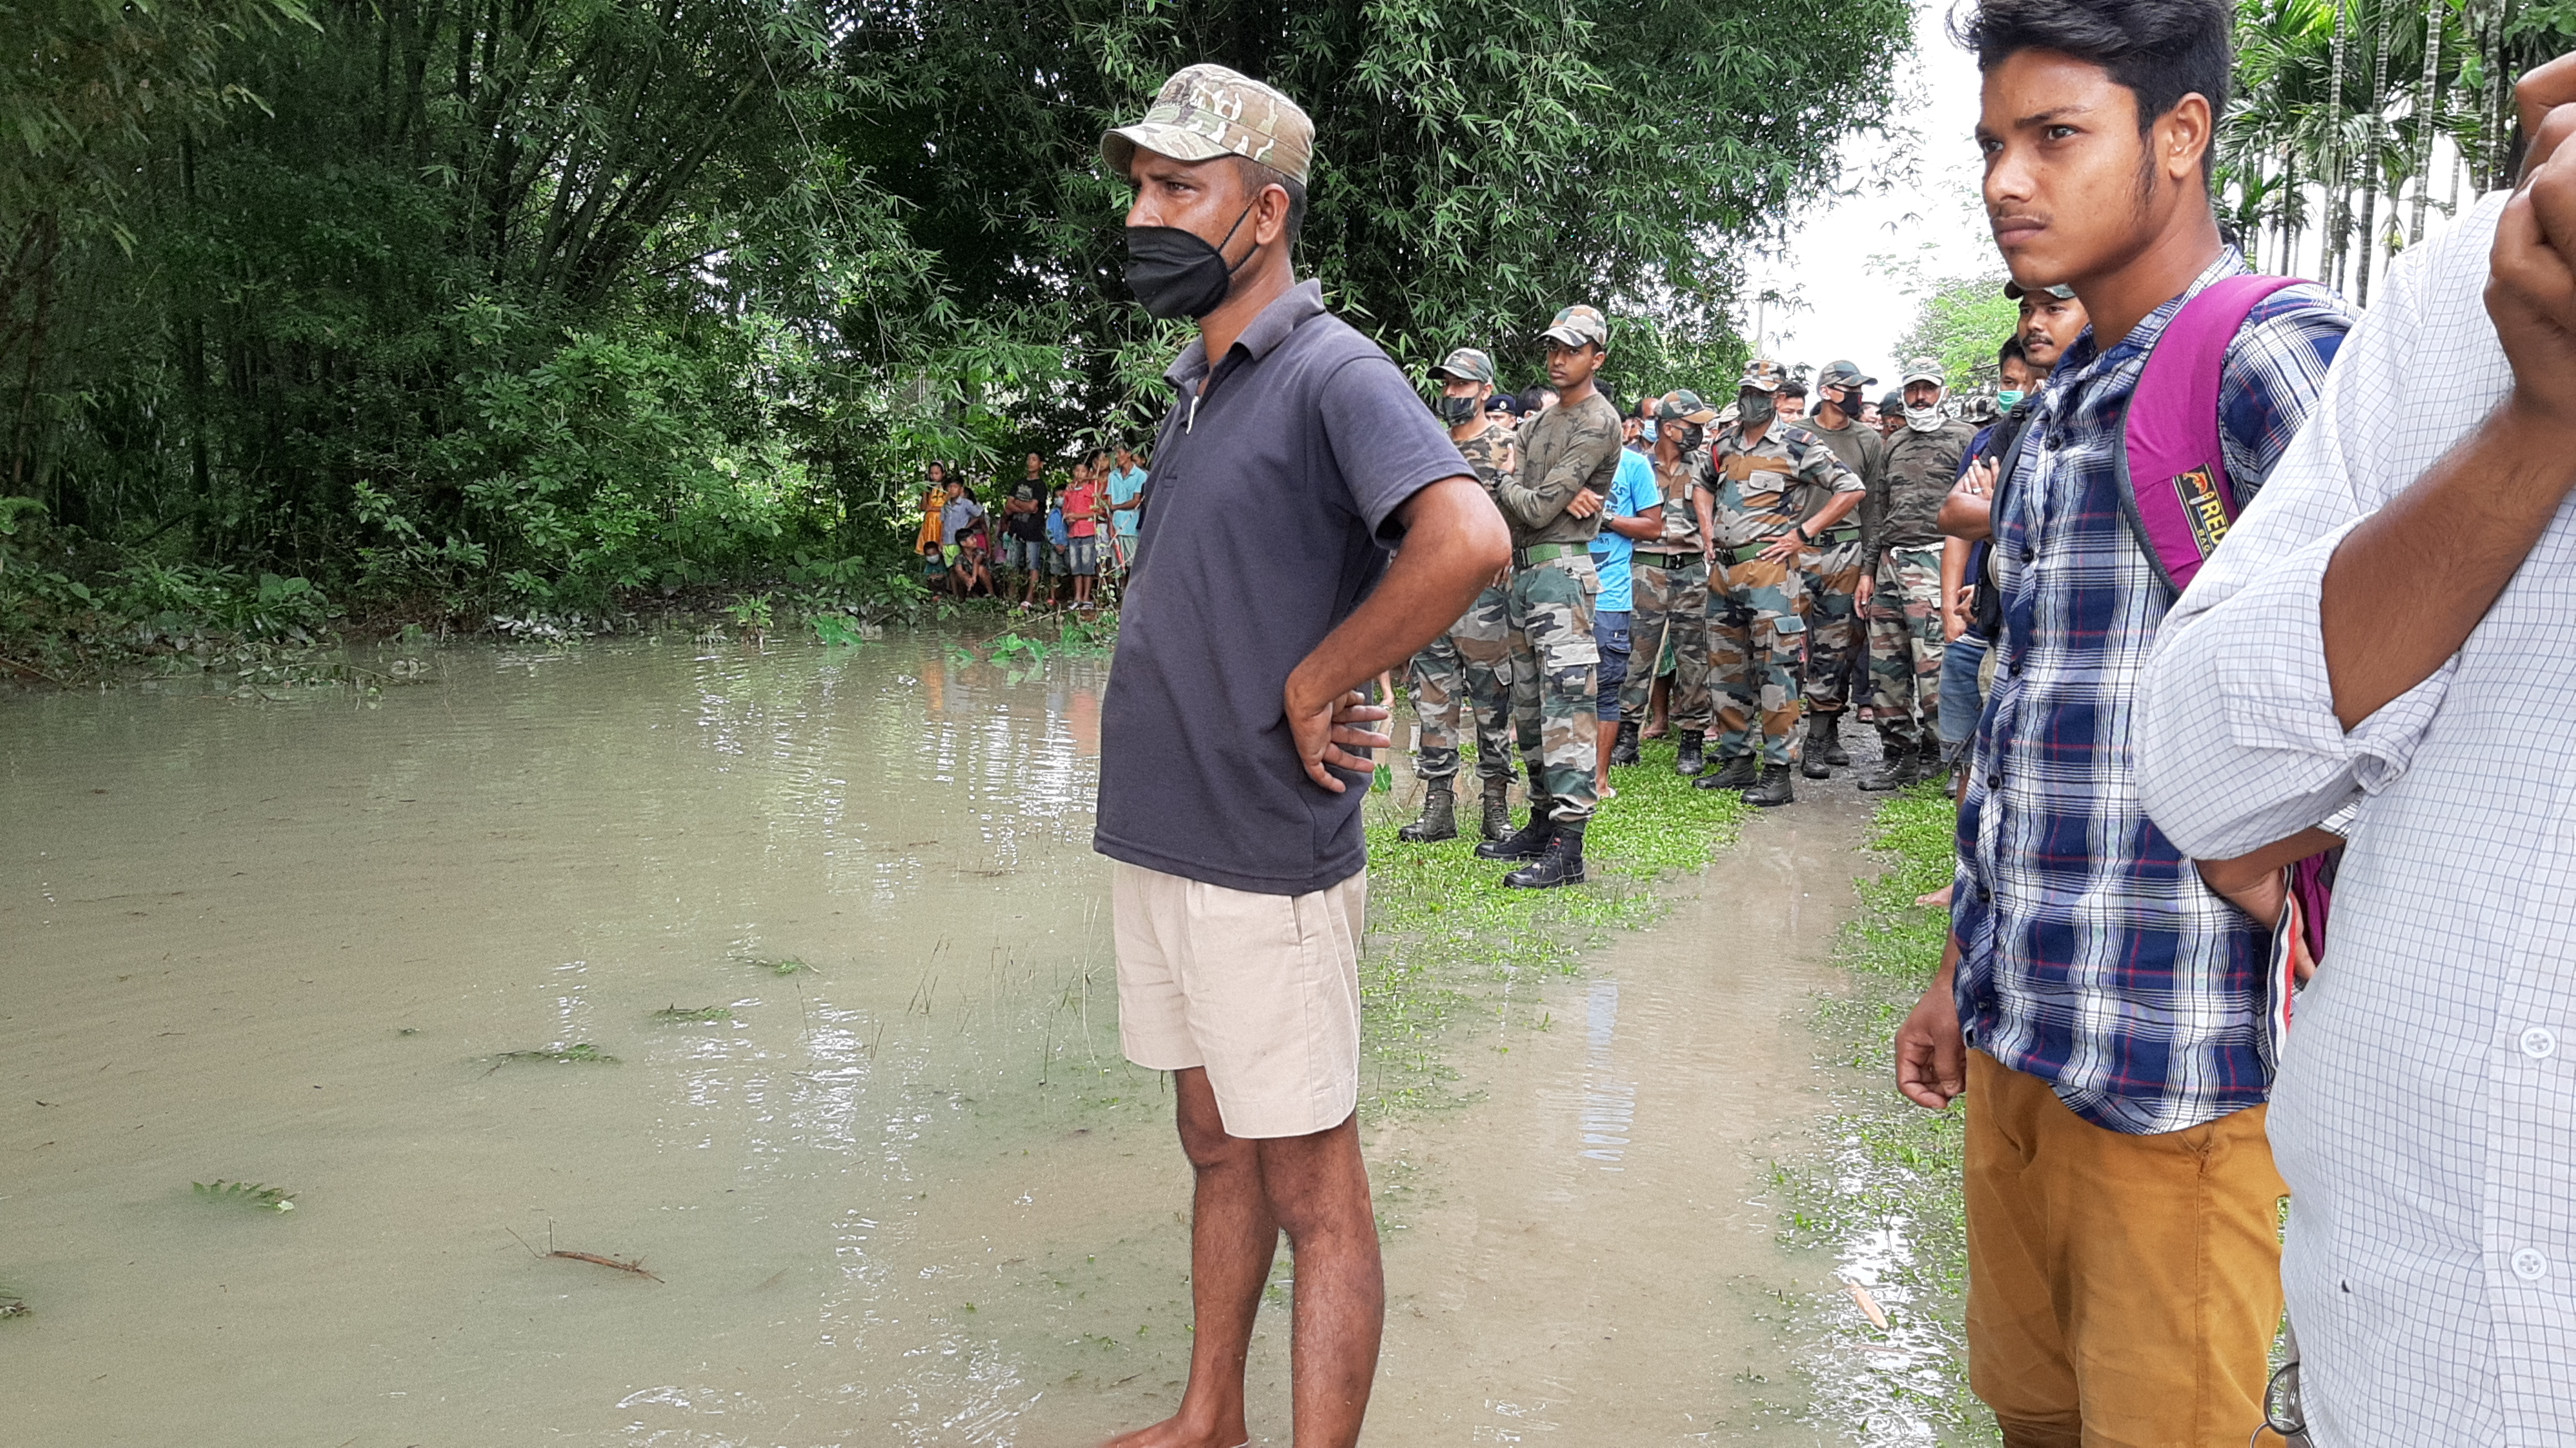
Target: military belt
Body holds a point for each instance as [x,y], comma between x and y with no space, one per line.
[1748,552]
[1666,560]
[1839,536]
[1544,552]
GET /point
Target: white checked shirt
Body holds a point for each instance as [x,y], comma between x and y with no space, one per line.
[2425,1114]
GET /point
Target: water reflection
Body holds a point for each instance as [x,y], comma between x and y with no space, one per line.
[1609,1102]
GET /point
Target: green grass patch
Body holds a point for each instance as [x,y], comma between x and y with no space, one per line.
[1888,1202]
[674,1015]
[244,1194]
[1448,943]
[584,1054]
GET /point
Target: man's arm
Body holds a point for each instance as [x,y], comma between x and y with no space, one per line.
[1931,1050]
[1968,509]
[1454,542]
[1536,504]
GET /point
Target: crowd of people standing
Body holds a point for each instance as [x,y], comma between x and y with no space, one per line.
[1042,532]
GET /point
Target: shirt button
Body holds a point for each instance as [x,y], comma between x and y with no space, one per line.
[2539,1044]
[2529,1265]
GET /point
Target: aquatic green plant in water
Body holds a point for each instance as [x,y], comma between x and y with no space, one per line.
[785,965]
[1448,942]
[582,1054]
[1889,1203]
[675,1014]
[247,1194]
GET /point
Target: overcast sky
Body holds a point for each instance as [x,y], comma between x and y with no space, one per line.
[1842,300]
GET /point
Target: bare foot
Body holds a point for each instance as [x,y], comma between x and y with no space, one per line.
[1656,730]
[1940,897]
[1174,1433]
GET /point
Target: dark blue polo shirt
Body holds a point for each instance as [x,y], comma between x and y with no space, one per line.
[1264,516]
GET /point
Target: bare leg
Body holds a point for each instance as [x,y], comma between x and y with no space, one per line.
[1319,1189]
[1958,797]
[1233,1235]
[1609,740]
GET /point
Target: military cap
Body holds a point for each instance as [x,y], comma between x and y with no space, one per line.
[2016,291]
[1892,404]
[1843,374]
[1577,325]
[1503,402]
[1467,365]
[1207,111]
[1684,406]
[1761,377]
[1925,369]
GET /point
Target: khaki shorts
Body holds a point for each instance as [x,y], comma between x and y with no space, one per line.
[1262,990]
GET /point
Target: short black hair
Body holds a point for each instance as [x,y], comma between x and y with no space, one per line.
[1256,177]
[1792,389]
[2011,351]
[2160,50]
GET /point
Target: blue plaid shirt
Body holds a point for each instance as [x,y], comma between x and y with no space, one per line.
[2091,955]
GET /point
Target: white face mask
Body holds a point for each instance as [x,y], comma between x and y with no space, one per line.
[1925,419]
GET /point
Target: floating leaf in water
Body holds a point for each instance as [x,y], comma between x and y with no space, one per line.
[790,965]
[676,1014]
[14,1307]
[249,1194]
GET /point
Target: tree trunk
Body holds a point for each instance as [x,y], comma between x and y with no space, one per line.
[2337,169]
[2374,155]
[2428,115]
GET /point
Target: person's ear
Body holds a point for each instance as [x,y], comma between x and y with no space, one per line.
[1270,214]
[2182,138]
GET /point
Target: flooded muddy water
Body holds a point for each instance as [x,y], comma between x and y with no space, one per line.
[907,1193]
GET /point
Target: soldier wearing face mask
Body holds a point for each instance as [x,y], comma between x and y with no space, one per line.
[1833,570]
[1466,674]
[1901,537]
[1761,469]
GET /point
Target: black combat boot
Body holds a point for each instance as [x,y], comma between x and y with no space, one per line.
[1692,756]
[1439,815]
[1775,788]
[1932,763]
[1835,754]
[1812,760]
[1530,841]
[1560,864]
[1741,772]
[1896,767]
[1625,751]
[1498,808]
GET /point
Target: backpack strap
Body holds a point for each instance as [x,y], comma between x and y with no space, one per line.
[2173,471]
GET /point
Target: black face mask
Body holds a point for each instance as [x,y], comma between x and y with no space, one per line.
[1459,411]
[1685,436]
[1175,273]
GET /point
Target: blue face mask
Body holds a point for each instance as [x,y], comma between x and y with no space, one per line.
[2010,398]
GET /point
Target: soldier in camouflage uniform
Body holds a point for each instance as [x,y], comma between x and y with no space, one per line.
[1569,457]
[1466,672]
[1899,533]
[1753,587]
[1668,579]
[1832,569]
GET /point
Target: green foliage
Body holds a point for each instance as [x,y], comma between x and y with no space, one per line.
[584,1054]
[245,1194]
[1962,321]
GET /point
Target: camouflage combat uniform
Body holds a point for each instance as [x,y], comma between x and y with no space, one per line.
[1466,673]
[1832,570]
[1555,663]
[1753,606]
[1669,578]
[1898,529]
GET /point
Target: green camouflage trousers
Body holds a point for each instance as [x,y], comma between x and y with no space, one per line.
[1833,625]
[1753,636]
[1556,670]
[1671,606]
[1905,645]
[1466,674]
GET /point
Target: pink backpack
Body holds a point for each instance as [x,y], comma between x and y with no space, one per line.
[2186,506]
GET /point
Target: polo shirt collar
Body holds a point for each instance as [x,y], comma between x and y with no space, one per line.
[1268,330]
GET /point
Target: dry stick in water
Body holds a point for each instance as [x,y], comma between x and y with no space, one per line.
[636,1266]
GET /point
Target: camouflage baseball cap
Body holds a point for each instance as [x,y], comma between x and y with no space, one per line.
[1684,406]
[1467,365]
[1843,374]
[1761,377]
[1925,369]
[1207,111]
[1577,325]
[2016,291]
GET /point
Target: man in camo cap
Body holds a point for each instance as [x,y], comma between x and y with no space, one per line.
[1569,459]
[1235,744]
[1833,567]
[1668,580]
[1466,673]
[1763,467]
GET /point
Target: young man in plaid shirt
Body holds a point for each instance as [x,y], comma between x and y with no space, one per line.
[2100,1007]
